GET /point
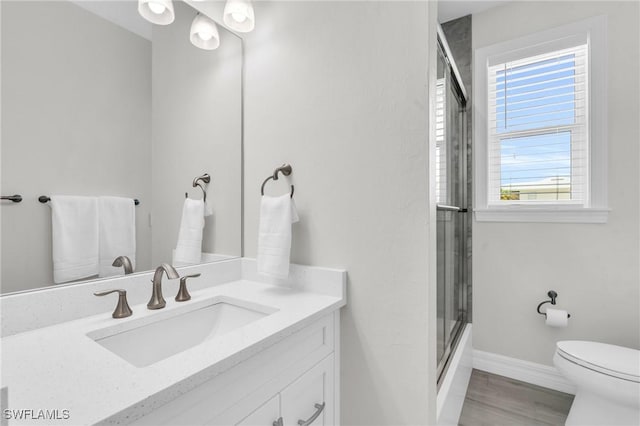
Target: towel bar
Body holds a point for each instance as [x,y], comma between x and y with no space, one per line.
[285,169]
[15,198]
[44,199]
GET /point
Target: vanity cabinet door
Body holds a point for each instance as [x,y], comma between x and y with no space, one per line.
[267,415]
[308,401]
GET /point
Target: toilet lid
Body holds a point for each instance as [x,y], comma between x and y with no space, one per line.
[612,360]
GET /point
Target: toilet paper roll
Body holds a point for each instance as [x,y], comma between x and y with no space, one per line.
[557,318]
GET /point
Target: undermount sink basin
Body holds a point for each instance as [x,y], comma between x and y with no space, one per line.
[149,343]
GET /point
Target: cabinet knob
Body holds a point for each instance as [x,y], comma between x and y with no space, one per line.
[319,408]
[278,422]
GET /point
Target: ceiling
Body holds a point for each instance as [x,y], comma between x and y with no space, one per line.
[452,9]
[122,13]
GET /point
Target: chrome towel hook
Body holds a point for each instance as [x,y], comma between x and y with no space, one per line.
[196,182]
[285,169]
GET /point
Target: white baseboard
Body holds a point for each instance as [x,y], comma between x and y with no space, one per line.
[525,371]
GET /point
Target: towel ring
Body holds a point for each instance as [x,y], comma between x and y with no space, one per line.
[285,169]
[196,182]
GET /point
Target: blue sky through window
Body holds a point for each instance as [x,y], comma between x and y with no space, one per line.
[538,95]
[528,159]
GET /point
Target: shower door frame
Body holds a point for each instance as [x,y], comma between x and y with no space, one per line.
[461,96]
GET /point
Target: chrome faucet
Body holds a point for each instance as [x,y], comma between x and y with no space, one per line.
[157,301]
[123,261]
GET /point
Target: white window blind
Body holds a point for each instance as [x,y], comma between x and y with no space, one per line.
[441,145]
[538,136]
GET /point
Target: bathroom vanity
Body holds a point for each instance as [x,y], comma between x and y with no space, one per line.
[242,351]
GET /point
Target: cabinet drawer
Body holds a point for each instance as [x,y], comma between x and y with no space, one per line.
[268,413]
[309,399]
[212,401]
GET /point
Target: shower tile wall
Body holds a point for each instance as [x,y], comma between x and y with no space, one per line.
[458,33]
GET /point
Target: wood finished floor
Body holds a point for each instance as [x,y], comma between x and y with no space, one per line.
[497,400]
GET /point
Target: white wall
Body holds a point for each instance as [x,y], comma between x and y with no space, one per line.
[76,116]
[339,91]
[196,129]
[594,268]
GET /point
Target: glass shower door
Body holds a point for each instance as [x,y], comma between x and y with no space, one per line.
[450,196]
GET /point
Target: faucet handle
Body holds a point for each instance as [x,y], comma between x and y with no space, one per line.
[122,309]
[183,294]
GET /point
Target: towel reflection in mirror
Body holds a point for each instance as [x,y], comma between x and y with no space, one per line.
[88,233]
[189,246]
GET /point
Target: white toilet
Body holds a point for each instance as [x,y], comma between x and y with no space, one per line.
[607,380]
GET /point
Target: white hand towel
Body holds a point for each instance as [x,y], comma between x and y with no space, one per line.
[189,247]
[274,240]
[74,234]
[117,233]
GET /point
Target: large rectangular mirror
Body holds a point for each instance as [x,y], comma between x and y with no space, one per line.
[96,101]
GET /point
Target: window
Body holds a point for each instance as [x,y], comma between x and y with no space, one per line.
[540,122]
[441,144]
[537,129]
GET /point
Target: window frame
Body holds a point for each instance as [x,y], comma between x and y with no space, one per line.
[594,209]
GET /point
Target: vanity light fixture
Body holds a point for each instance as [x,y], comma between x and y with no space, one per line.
[238,15]
[157,11]
[204,33]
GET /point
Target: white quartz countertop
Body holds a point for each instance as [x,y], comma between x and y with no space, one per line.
[61,368]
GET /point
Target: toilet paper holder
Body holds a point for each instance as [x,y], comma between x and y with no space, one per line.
[553,295]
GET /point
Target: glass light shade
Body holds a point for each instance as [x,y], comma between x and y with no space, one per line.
[238,15]
[204,33]
[157,11]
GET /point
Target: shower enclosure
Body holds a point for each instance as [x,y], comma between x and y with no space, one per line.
[451,198]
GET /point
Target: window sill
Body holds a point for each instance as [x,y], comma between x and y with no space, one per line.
[547,214]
